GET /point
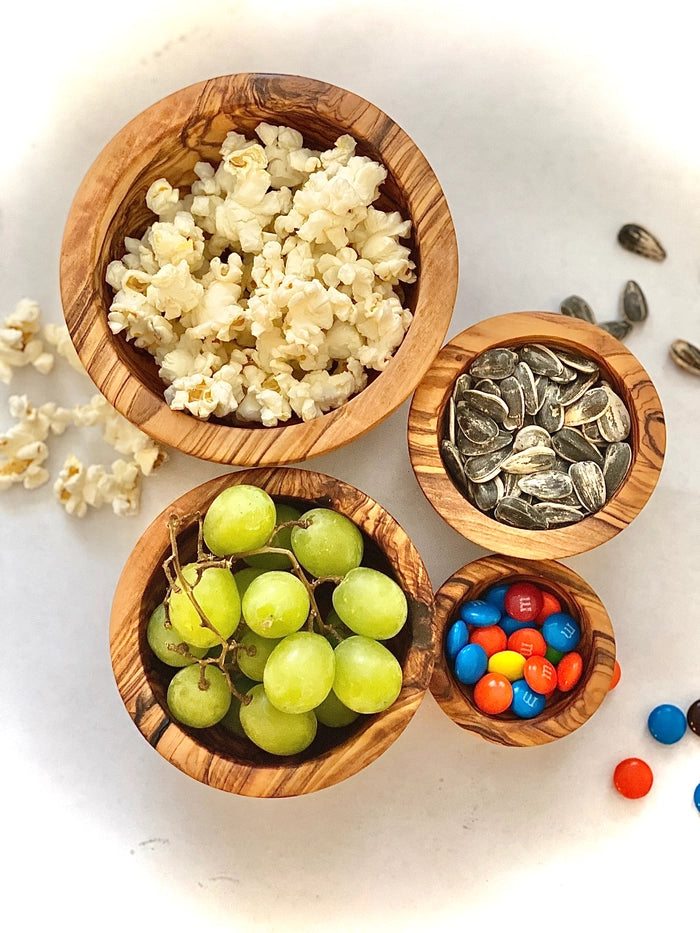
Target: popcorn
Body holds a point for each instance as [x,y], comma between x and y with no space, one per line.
[20,344]
[78,487]
[268,290]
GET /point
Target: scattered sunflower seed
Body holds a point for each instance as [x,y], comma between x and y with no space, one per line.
[638,240]
[686,356]
[575,306]
[634,304]
[617,329]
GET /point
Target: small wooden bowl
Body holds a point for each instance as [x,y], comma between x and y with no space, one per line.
[166,140]
[216,756]
[625,374]
[564,712]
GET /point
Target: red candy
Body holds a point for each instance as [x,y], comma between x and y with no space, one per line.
[550,605]
[523,602]
[540,674]
[633,778]
[527,641]
[493,693]
[569,671]
[492,638]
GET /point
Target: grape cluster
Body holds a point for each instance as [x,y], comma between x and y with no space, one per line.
[242,623]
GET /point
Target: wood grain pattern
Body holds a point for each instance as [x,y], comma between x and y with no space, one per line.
[624,372]
[215,756]
[166,140]
[564,712]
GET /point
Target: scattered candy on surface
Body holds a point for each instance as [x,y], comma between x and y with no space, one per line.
[693,717]
[667,723]
[696,798]
[514,646]
[633,778]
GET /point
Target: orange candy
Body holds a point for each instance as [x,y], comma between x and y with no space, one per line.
[569,671]
[616,676]
[540,674]
[493,693]
[550,604]
[633,778]
[492,638]
[527,641]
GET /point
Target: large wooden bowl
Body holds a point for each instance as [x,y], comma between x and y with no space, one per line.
[564,712]
[216,756]
[166,140]
[626,375]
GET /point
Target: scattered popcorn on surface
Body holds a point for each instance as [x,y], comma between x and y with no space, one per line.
[23,447]
[269,290]
[20,343]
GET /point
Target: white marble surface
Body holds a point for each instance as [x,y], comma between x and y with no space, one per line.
[549,125]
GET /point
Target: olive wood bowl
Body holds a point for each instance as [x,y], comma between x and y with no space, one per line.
[625,374]
[216,756]
[166,140]
[564,712]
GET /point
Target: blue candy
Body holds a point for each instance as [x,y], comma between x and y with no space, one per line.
[526,703]
[512,625]
[479,612]
[696,797]
[562,632]
[471,664]
[497,595]
[667,723]
[457,638]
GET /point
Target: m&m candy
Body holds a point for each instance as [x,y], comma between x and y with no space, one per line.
[693,717]
[667,723]
[523,602]
[493,694]
[633,778]
[470,664]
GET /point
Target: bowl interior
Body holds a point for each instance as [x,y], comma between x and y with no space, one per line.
[217,756]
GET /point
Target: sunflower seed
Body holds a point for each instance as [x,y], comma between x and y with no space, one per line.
[556,513]
[590,406]
[580,363]
[488,386]
[614,423]
[574,447]
[487,495]
[541,360]
[551,414]
[638,240]
[531,460]
[686,356]
[510,485]
[512,395]
[475,425]
[549,484]
[469,449]
[575,306]
[618,457]
[634,304]
[589,485]
[453,464]
[494,364]
[484,467]
[451,422]
[491,405]
[574,390]
[525,377]
[519,513]
[567,375]
[592,433]
[531,436]
[463,382]
[617,329]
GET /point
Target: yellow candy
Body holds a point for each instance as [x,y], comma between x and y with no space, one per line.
[508,663]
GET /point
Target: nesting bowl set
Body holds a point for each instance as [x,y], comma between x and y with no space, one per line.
[167,140]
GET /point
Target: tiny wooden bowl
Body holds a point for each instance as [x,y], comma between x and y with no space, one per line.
[216,756]
[565,712]
[626,375]
[166,140]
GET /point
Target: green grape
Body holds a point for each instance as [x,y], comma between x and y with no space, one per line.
[274,731]
[281,538]
[368,677]
[232,719]
[245,577]
[254,665]
[241,518]
[370,603]
[159,637]
[217,595]
[330,546]
[336,629]
[331,712]
[192,705]
[276,604]
[299,672]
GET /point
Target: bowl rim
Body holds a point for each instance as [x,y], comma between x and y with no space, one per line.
[85,230]
[286,776]
[469,582]
[629,378]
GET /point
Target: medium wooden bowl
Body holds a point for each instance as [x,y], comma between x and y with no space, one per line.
[564,712]
[166,140]
[626,375]
[216,756]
